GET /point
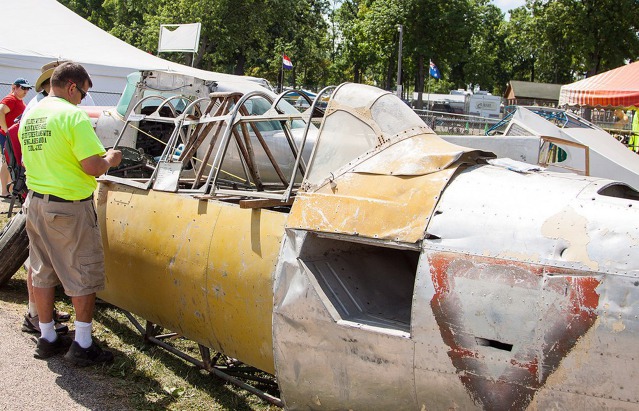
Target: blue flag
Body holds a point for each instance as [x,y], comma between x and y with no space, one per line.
[434,71]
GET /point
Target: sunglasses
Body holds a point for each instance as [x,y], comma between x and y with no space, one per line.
[83,93]
[25,88]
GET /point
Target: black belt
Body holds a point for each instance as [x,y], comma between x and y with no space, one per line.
[57,199]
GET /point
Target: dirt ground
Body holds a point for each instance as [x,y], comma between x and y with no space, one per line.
[30,384]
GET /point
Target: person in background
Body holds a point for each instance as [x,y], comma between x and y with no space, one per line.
[43,86]
[62,156]
[621,119]
[11,107]
[31,319]
[43,83]
[633,142]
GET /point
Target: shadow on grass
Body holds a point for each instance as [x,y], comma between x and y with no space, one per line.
[127,383]
[125,366]
[15,291]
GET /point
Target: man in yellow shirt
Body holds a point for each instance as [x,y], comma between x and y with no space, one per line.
[633,142]
[62,156]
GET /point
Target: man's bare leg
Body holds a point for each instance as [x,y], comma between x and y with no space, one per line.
[5,178]
[84,306]
[44,300]
[32,301]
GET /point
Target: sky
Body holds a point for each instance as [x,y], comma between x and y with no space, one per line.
[506,5]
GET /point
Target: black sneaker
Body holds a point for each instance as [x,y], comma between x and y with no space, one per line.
[32,325]
[46,349]
[61,316]
[87,356]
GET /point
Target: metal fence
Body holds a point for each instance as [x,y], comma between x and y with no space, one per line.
[100,98]
[456,124]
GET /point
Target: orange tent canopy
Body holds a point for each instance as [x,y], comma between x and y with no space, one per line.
[613,88]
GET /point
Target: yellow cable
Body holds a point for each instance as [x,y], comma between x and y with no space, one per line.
[194,158]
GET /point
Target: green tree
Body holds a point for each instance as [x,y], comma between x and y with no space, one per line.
[349,51]
[486,66]
[91,10]
[561,40]
[521,43]
[126,21]
[591,36]
[232,33]
[441,31]
[304,37]
[331,41]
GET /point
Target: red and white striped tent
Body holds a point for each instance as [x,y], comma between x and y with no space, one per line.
[613,88]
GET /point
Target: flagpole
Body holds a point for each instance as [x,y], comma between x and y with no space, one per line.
[399,90]
[428,86]
[282,73]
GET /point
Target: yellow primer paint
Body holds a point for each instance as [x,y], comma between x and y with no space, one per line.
[395,208]
[571,227]
[416,155]
[389,195]
[200,268]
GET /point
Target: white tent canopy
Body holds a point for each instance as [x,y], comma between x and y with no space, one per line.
[63,35]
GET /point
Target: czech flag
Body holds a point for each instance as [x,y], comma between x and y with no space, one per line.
[434,71]
[286,62]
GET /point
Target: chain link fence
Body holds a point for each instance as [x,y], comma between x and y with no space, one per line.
[456,124]
[617,122]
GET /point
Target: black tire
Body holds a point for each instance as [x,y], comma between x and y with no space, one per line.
[14,247]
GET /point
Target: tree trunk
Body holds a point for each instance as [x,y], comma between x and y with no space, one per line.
[390,72]
[595,63]
[532,70]
[419,86]
[206,48]
[240,62]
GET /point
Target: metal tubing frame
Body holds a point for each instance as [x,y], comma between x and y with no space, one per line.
[223,107]
[296,152]
[205,364]
[311,110]
[221,153]
[232,120]
[251,160]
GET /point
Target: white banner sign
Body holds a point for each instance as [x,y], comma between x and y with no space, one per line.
[179,37]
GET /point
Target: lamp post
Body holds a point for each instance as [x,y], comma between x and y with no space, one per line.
[400,28]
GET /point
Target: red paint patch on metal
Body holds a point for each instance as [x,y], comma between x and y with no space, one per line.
[531,366]
[559,325]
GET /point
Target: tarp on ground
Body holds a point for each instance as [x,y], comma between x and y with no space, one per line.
[45,30]
[613,88]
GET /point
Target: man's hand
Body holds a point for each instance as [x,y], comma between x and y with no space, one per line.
[96,165]
[114,157]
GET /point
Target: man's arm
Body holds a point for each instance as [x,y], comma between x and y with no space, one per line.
[96,165]
[3,119]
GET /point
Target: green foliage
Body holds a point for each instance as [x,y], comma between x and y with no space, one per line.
[487,63]
[332,41]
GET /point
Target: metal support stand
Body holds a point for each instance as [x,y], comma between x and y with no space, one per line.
[232,370]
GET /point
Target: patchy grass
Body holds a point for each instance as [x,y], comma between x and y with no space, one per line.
[149,377]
